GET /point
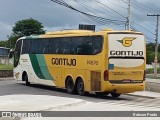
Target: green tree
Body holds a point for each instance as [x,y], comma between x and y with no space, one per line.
[28,27]
[150,53]
[150,46]
[11,41]
[150,57]
[24,28]
[3,43]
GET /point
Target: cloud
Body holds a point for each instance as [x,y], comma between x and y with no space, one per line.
[55,17]
[5,30]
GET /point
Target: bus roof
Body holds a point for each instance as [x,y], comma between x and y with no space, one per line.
[80,32]
[63,32]
[108,30]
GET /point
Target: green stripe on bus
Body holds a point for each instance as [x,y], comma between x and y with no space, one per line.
[36,66]
[31,37]
[43,67]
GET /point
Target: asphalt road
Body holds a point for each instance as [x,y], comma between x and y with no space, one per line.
[12,87]
[15,96]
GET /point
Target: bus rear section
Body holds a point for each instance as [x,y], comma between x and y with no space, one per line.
[126,62]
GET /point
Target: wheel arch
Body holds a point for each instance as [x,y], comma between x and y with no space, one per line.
[23,75]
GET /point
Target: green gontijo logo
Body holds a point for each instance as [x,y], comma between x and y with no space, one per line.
[127,41]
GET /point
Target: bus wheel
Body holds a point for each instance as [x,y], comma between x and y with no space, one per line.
[70,86]
[115,95]
[26,80]
[80,87]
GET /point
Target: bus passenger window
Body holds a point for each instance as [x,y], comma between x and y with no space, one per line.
[57,50]
[65,46]
[26,46]
[79,51]
[96,51]
[97,44]
[17,52]
[54,46]
[66,51]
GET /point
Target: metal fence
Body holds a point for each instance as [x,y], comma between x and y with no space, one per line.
[6,60]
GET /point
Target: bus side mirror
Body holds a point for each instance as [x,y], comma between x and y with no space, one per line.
[11,52]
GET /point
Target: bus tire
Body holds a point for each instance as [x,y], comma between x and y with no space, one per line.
[80,87]
[115,95]
[26,80]
[70,87]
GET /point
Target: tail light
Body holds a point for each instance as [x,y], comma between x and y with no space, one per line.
[144,75]
[106,75]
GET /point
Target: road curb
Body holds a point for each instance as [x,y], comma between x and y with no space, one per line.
[7,78]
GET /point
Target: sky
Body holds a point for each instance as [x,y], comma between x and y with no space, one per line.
[57,17]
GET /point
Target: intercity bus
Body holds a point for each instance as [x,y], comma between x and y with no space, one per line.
[83,61]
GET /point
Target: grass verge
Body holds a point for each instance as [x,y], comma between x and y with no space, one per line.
[6,67]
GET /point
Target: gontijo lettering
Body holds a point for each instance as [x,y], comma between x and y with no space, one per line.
[63,61]
[126,53]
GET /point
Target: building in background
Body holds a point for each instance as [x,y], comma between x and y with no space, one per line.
[4,51]
[4,55]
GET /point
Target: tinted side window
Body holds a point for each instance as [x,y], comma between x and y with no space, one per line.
[64,46]
[76,43]
[88,45]
[18,46]
[26,46]
[54,46]
[43,46]
[17,52]
[97,44]
[33,46]
[83,45]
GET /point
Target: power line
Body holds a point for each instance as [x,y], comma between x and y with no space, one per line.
[117,5]
[147,8]
[134,5]
[142,19]
[143,27]
[87,7]
[124,2]
[104,8]
[98,19]
[85,18]
[110,9]
[139,8]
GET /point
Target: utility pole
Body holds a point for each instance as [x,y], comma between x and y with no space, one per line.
[129,15]
[156,45]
